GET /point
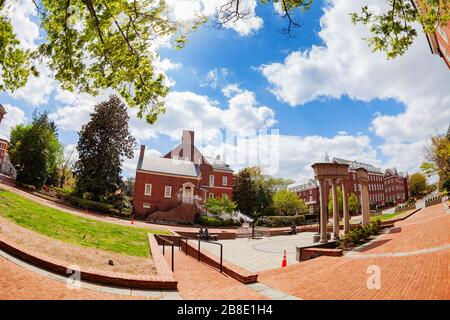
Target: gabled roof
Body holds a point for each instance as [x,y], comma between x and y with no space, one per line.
[353,165]
[300,186]
[169,166]
[217,164]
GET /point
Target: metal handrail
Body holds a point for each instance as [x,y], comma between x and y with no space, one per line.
[221,251]
[164,248]
[199,249]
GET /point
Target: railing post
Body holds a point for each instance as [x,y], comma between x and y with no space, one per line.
[221,260]
[164,248]
[186,246]
[198,252]
[172,260]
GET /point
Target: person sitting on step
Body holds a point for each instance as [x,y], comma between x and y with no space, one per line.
[293,229]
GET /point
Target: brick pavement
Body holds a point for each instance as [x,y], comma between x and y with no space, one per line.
[417,276]
[197,280]
[18,283]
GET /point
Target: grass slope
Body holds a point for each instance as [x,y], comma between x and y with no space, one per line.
[73,229]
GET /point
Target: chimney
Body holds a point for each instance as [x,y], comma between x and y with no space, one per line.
[141,154]
[188,145]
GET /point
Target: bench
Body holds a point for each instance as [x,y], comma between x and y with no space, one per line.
[212,237]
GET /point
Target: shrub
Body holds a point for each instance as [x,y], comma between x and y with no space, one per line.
[217,222]
[280,221]
[359,234]
[89,204]
[220,205]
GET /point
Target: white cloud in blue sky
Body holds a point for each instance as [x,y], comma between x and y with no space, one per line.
[348,102]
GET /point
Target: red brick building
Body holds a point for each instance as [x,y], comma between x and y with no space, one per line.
[439,41]
[175,186]
[395,186]
[3,149]
[309,191]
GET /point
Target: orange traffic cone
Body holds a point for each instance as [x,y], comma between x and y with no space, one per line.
[284,262]
[132,220]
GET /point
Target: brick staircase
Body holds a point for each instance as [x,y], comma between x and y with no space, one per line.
[183,213]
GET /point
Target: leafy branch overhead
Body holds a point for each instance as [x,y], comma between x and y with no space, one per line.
[392,31]
[92,45]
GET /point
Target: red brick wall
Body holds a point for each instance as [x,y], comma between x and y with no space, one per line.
[444,43]
[157,199]
[219,189]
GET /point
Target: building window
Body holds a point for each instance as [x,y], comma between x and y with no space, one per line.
[168,192]
[146,205]
[211,180]
[148,189]
[224,180]
[211,195]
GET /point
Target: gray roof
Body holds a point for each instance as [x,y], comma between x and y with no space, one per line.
[353,165]
[300,186]
[217,164]
[169,166]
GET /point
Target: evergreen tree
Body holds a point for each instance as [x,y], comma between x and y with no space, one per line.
[35,151]
[104,141]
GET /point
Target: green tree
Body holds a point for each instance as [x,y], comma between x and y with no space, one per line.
[438,160]
[220,205]
[92,45]
[353,203]
[287,202]
[36,151]
[245,192]
[264,201]
[104,142]
[417,184]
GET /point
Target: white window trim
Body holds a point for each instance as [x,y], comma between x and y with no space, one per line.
[211,195]
[146,205]
[145,189]
[211,180]
[442,34]
[165,192]
[224,180]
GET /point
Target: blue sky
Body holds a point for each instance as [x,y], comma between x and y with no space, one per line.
[324,91]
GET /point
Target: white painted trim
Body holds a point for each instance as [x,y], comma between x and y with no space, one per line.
[169,175]
[217,187]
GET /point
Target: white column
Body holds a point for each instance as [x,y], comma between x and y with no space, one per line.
[335,209]
[345,208]
[365,204]
[323,213]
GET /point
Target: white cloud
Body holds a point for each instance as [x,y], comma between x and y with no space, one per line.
[38,89]
[292,156]
[346,66]
[186,11]
[21,13]
[230,90]
[13,117]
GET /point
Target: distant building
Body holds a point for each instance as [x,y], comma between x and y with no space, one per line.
[6,166]
[439,41]
[174,187]
[378,184]
[2,113]
[395,186]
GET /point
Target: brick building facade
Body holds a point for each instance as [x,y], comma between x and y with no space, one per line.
[439,41]
[379,183]
[2,113]
[183,178]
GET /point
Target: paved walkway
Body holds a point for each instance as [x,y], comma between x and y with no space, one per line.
[413,262]
[261,254]
[197,280]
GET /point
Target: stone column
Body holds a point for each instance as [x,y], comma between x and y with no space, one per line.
[335,209]
[365,204]
[323,212]
[345,208]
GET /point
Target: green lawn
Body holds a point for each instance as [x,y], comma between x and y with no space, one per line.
[388,216]
[77,230]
